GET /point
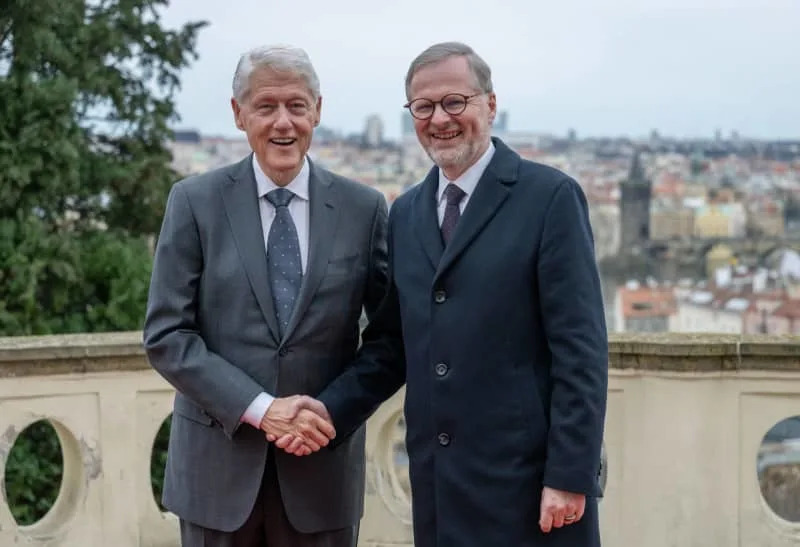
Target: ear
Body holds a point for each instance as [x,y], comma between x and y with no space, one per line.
[237,113]
[492,106]
[318,116]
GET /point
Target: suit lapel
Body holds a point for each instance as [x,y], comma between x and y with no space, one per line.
[426,219]
[490,193]
[323,217]
[240,200]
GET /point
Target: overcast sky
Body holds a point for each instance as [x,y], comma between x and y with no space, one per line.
[602,67]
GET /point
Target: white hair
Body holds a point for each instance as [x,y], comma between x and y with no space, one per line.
[281,58]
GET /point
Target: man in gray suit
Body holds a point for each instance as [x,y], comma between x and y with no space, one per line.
[261,272]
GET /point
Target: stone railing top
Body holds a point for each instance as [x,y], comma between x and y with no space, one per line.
[677,352]
[71,353]
[687,352]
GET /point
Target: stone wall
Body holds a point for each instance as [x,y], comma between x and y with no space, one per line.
[685,422]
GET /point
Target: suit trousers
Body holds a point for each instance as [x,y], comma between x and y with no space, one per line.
[267,526]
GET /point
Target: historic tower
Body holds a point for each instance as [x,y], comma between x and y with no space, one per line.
[635,209]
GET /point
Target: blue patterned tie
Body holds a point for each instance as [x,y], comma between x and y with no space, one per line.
[452,213]
[283,257]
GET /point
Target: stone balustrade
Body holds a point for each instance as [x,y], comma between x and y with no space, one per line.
[686,419]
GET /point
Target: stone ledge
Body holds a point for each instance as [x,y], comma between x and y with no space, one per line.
[71,353]
[701,352]
[675,352]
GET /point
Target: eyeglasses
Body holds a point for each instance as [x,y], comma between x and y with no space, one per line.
[452,103]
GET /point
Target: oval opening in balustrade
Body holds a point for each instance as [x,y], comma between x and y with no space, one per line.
[45,478]
[778,468]
[400,457]
[391,467]
[158,460]
[33,473]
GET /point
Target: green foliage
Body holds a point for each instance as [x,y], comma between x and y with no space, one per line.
[86,102]
[89,281]
[158,460]
[33,475]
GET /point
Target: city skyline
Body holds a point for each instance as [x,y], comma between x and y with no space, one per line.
[607,68]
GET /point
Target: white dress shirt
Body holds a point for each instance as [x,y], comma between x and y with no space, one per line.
[467,182]
[299,209]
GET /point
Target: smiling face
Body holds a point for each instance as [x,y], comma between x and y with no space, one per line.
[278,113]
[453,142]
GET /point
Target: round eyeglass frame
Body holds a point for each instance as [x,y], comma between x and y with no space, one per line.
[440,102]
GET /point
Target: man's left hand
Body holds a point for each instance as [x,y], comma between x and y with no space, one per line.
[301,417]
[559,508]
[295,444]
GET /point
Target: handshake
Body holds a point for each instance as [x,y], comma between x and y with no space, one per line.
[298,425]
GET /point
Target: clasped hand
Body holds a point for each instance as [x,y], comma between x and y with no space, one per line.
[298,424]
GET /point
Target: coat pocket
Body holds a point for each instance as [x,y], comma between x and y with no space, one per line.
[534,414]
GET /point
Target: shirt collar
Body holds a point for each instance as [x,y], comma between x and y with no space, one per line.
[298,186]
[469,179]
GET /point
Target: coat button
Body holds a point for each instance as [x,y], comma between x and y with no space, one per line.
[439,296]
[441,369]
[444,439]
[283,352]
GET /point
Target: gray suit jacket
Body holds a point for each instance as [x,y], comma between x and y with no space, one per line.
[211,331]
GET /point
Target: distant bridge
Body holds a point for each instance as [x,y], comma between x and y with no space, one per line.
[678,258]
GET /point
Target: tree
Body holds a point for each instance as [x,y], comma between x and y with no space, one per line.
[86,103]
[86,100]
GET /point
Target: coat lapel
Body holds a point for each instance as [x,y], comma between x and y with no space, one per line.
[490,193]
[240,200]
[426,219]
[323,217]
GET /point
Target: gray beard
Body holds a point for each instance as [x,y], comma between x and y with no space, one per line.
[447,159]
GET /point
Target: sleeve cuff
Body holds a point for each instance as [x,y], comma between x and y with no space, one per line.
[573,480]
[257,409]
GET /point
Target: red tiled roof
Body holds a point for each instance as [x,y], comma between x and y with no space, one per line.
[647,302]
[789,309]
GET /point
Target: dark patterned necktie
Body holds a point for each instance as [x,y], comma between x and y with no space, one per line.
[453,194]
[283,257]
